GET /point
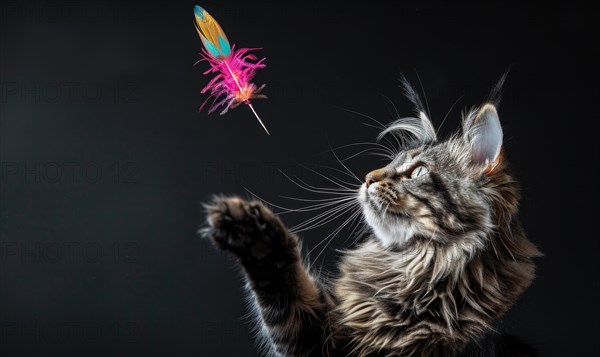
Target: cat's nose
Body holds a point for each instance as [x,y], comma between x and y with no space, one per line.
[376,176]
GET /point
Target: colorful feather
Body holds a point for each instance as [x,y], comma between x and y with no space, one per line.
[234,69]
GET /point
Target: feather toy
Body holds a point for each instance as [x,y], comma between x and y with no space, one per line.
[234,69]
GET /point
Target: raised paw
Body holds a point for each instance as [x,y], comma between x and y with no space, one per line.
[248,229]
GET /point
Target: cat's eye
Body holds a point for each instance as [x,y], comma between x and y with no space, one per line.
[418,171]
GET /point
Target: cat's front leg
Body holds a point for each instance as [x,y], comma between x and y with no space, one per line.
[292,306]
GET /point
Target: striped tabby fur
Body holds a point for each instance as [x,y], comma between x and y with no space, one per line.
[447,257]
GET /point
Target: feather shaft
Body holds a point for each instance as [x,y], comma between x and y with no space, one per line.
[246,100]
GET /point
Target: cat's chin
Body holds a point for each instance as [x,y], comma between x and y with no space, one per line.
[390,227]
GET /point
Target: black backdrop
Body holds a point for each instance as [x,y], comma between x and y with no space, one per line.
[105,159]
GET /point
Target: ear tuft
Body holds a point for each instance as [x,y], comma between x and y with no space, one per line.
[485,136]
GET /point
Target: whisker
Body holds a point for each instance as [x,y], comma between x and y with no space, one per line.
[383,147]
[307,187]
[341,172]
[350,185]
[335,201]
[311,199]
[327,217]
[286,210]
[332,235]
[379,127]
[321,220]
[355,223]
[364,230]
[368,153]
[320,205]
[396,113]
[339,191]
[340,202]
[344,166]
[390,145]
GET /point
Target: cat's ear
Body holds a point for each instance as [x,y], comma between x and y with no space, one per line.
[484,135]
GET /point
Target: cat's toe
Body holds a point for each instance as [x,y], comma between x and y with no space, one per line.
[229,227]
[248,229]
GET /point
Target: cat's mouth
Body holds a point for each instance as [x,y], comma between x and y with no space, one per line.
[384,198]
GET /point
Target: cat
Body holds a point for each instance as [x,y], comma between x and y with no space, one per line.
[446,258]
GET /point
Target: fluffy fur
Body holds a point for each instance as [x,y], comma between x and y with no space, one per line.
[446,259]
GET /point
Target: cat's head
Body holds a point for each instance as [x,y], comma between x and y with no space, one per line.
[454,190]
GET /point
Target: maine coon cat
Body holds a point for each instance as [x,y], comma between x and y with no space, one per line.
[446,259]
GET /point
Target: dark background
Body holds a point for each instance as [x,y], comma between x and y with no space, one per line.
[106,161]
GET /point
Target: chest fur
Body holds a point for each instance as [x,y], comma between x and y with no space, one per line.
[412,302]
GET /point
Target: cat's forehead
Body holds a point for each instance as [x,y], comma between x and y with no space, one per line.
[443,151]
[408,156]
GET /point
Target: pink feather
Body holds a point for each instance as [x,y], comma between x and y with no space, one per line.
[234,70]
[232,84]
